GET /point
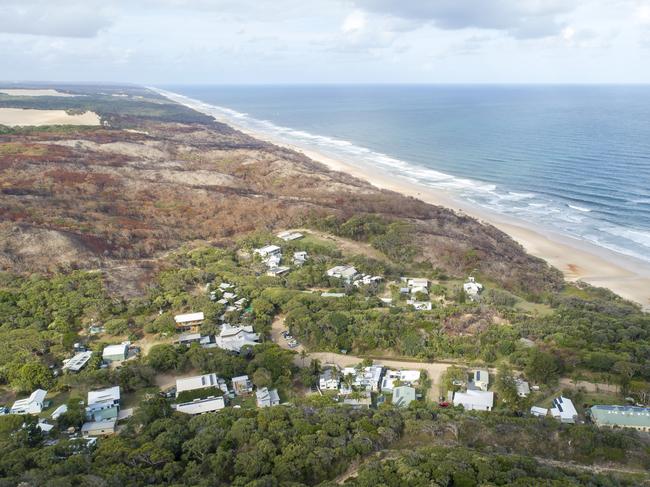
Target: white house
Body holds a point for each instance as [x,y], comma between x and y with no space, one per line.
[233,338]
[329,380]
[564,410]
[200,382]
[417,285]
[288,235]
[472,288]
[103,404]
[30,405]
[242,385]
[201,406]
[368,378]
[474,400]
[345,272]
[481,379]
[116,353]
[78,362]
[539,412]
[299,258]
[266,398]
[56,414]
[189,321]
[268,250]
[405,378]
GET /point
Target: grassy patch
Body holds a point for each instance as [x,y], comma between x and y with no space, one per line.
[18,149]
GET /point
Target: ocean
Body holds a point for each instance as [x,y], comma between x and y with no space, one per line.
[571,159]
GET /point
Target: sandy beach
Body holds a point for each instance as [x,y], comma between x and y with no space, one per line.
[35,92]
[28,117]
[577,259]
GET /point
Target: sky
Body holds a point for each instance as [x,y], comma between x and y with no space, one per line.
[326,41]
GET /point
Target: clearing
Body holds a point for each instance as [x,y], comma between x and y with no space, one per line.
[24,117]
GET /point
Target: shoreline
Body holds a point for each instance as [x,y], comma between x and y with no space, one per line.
[576,259]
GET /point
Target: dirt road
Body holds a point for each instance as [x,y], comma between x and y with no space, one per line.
[434,370]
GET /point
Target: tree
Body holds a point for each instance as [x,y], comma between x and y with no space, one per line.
[163,357]
[30,376]
[542,367]
[74,416]
[262,377]
[506,386]
[625,371]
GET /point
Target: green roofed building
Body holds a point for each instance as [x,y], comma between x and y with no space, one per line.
[622,417]
[403,396]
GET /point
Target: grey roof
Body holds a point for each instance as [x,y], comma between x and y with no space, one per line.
[624,416]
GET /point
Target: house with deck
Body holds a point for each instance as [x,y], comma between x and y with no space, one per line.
[395,378]
[189,321]
[329,380]
[242,385]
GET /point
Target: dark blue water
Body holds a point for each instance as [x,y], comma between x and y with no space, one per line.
[575,159]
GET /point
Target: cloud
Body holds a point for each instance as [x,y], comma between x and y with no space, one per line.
[354,22]
[521,19]
[61,18]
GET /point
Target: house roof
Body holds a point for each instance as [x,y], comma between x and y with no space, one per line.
[188,337]
[241,378]
[78,361]
[36,397]
[98,425]
[62,409]
[266,395]
[109,394]
[111,350]
[200,406]
[196,382]
[268,249]
[481,375]
[475,398]
[563,407]
[624,416]
[417,282]
[189,317]
[537,411]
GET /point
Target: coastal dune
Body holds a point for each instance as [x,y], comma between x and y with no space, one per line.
[577,259]
[28,117]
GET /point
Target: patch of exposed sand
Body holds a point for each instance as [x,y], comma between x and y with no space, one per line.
[27,92]
[24,117]
[145,150]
